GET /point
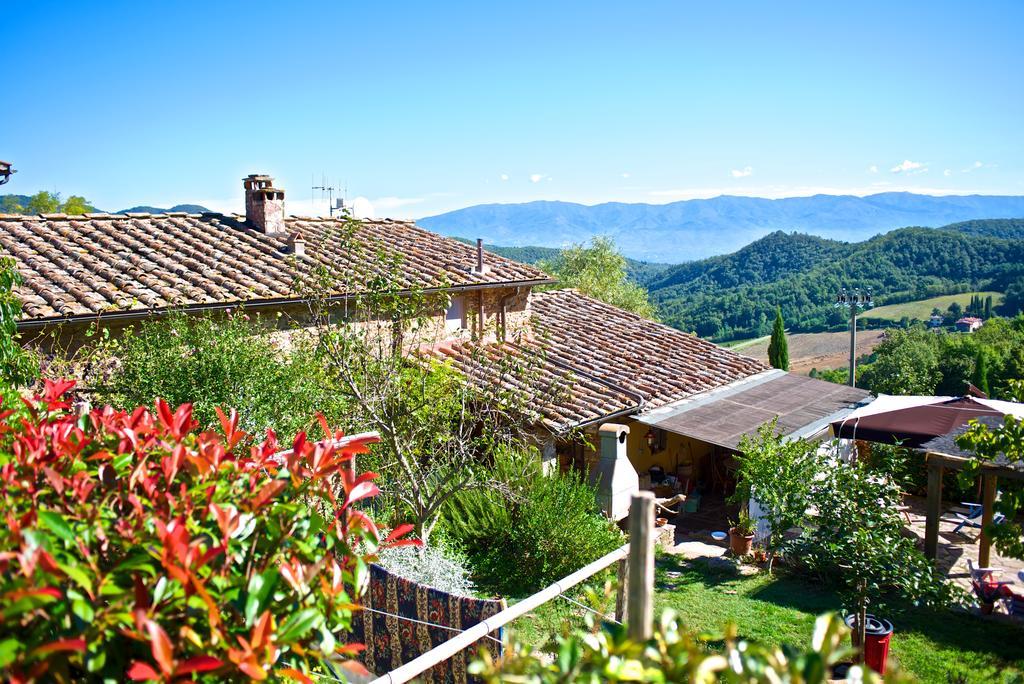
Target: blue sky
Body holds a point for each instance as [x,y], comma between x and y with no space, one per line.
[421,107]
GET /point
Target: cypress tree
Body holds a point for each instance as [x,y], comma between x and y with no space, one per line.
[988,306]
[980,376]
[778,348]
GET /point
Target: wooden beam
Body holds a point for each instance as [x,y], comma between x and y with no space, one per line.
[934,509]
[988,500]
[640,595]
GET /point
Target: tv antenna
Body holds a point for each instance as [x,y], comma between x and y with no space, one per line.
[325,188]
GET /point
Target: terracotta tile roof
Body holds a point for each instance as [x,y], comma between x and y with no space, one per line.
[562,398]
[658,362]
[104,263]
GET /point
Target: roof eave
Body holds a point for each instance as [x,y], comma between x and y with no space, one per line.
[33,324]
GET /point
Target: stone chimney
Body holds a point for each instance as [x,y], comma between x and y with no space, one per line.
[264,204]
[296,244]
[613,475]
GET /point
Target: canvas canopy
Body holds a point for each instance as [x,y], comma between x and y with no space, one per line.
[914,420]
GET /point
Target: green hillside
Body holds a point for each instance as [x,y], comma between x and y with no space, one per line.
[734,296]
[922,308]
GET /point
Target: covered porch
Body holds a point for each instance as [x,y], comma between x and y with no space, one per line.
[694,443]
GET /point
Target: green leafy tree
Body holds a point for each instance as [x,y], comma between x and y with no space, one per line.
[210,363]
[43,202]
[10,205]
[76,205]
[17,366]
[600,271]
[980,376]
[778,347]
[906,362]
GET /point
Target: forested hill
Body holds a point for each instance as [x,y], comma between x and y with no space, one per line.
[734,296]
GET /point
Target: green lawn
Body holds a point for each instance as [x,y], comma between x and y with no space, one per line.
[936,646]
[922,308]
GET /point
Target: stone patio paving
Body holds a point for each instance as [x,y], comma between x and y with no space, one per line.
[956,548]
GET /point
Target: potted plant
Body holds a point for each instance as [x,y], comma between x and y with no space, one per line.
[741,534]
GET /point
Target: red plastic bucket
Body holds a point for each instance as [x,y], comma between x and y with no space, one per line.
[877,634]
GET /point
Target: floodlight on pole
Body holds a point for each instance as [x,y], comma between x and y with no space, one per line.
[854,300]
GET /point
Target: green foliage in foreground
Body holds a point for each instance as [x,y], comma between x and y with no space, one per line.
[217,362]
[599,270]
[676,655]
[932,644]
[531,530]
[1002,445]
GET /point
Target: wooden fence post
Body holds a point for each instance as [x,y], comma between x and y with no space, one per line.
[934,509]
[620,592]
[640,598]
[988,501]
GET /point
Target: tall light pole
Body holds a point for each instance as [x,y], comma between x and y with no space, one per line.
[853,300]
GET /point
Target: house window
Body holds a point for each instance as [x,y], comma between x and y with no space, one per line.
[455,316]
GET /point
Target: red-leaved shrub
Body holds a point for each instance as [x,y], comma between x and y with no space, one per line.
[137,548]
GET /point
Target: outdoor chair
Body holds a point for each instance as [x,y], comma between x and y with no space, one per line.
[972,518]
[987,588]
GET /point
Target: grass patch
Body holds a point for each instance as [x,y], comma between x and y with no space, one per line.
[922,308]
[934,645]
[742,344]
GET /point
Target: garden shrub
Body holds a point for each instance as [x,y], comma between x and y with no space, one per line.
[675,655]
[227,361]
[138,547]
[435,566]
[532,530]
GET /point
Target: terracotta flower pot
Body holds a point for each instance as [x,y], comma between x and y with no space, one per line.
[740,544]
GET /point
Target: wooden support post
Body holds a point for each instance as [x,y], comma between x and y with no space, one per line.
[620,592]
[931,526]
[640,597]
[988,500]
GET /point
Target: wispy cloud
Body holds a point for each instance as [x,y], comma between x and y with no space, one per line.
[947,173]
[909,167]
[873,168]
[742,173]
[973,167]
[503,176]
[625,174]
[537,177]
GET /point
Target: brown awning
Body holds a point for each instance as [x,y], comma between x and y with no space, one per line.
[804,406]
[915,425]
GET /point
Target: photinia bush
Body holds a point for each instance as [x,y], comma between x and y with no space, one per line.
[138,548]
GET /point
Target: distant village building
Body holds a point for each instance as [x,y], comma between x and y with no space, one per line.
[935,321]
[969,324]
[680,404]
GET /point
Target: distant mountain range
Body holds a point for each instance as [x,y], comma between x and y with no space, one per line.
[695,229]
[734,295]
[188,208]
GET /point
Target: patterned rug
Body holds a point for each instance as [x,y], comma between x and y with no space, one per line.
[392,641]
